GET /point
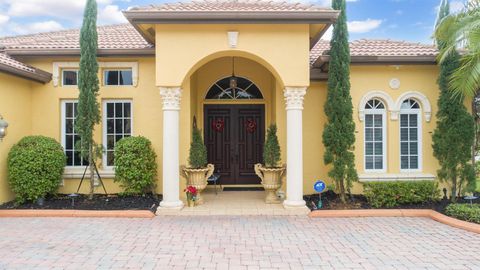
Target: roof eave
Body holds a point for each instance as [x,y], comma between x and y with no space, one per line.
[381,60]
[37,76]
[76,52]
[231,17]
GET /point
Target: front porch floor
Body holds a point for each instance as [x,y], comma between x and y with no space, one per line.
[235,203]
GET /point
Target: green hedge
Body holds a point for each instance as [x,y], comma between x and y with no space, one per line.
[465,212]
[35,167]
[392,194]
[135,166]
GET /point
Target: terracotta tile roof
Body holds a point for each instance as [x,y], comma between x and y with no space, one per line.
[378,48]
[12,66]
[232,5]
[121,36]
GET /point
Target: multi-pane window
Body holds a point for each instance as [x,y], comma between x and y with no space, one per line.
[69,77]
[118,77]
[117,125]
[410,135]
[69,134]
[375,135]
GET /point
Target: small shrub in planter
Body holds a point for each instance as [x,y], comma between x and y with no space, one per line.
[35,167]
[392,194]
[135,166]
[465,212]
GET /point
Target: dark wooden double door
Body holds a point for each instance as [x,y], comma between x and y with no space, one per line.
[234,136]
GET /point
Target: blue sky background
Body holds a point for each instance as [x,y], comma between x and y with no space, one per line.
[410,20]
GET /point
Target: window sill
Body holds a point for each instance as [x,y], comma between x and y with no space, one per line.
[77,173]
[385,177]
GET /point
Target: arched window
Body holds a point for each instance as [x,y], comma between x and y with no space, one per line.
[410,135]
[234,88]
[375,135]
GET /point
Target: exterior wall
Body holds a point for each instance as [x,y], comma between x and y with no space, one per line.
[363,80]
[146,111]
[15,107]
[182,49]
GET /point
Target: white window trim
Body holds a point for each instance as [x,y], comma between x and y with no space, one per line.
[384,141]
[58,66]
[62,77]
[381,95]
[419,142]
[111,169]
[420,98]
[104,78]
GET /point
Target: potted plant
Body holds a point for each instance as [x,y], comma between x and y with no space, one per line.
[271,173]
[192,193]
[199,171]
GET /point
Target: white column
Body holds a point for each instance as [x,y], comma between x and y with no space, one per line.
[171,97]
[294,106]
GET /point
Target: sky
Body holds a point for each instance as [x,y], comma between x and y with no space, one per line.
[410,20]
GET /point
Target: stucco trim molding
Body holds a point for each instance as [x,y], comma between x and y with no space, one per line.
[58,66]
[421,98]
[387,177]
[386,98]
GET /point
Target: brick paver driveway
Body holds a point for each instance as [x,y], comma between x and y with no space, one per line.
[236,243]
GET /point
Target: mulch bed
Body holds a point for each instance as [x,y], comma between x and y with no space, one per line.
[331,201]
[99,202]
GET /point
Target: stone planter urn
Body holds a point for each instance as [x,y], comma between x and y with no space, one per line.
[271,181]
[198,178]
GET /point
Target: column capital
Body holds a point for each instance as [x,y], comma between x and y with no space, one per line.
[171,97]
[294,97]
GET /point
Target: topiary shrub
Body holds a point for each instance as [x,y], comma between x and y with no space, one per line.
[392,194]
[271,149]
[135,166]
[198,151]
[35,167]
[465,212]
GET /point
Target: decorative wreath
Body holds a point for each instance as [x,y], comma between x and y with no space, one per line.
[251,126]
[218,125]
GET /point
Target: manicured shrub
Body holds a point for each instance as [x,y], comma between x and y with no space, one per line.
[465,212]
[198,151]
[35,167]
[392,194]
[135,166]
[271,149]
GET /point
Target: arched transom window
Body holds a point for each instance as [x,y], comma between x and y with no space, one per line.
[234,88]
[410,135]
[375,135]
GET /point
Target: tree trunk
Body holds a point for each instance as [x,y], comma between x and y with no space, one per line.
[453,196]
[92,172]
[342,192]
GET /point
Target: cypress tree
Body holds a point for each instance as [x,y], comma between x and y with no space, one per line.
[271,150]
[198,151]
[88,108]
[339,132]
[454,134]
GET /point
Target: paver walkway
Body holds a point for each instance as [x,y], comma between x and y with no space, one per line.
[242,242]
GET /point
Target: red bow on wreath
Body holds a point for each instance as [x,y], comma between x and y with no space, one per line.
[251,126]
[218,125]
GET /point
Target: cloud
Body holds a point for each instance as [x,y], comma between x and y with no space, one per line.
[36,27]
[4,19]
[363,26]
[456,6]
[111,14]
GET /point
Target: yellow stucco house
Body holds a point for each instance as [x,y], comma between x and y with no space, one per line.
[171,66]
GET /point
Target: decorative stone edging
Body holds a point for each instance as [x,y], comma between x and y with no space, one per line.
[77,213]
[468,226]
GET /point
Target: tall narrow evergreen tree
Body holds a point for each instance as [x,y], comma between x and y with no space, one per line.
[454,134]
[339,133]
[88,108]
